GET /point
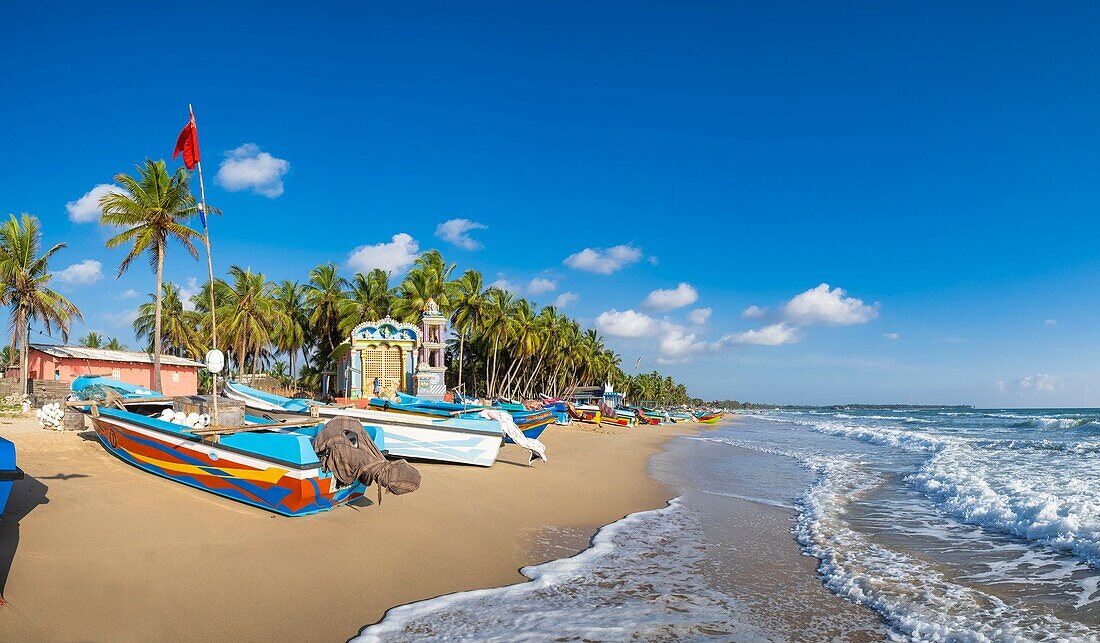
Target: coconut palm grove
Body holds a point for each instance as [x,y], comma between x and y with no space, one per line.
[501,345]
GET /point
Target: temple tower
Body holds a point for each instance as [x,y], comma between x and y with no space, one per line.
[431,369]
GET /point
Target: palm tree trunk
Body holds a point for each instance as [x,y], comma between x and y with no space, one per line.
[24,328]
[531,380]
[493,381]
[461,350]
[156,321]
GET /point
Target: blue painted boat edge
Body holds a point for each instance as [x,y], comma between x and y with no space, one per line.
[128,459]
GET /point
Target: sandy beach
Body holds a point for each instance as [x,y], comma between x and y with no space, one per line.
[94,549]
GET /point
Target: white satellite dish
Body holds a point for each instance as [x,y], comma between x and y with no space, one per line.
[215,361]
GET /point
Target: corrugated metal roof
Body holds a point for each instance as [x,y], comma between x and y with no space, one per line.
[81,352]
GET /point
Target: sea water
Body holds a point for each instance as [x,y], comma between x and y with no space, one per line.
[921,524]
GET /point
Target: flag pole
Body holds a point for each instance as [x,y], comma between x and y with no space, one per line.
[210,268]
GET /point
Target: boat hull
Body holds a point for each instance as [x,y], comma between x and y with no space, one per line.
[402,437]
[281,487]
[534,430]
[9,473]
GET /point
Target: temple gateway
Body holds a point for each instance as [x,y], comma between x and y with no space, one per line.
[388,355]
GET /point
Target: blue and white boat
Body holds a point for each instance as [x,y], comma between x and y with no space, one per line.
[9,473]
[465,440]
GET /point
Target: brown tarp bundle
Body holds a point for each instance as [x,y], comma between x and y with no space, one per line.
[346,451]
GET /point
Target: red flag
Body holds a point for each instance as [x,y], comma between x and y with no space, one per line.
[188,143]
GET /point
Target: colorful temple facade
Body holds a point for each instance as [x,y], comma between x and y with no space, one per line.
[392,355]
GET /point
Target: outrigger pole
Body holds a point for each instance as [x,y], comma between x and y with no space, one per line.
[210,268]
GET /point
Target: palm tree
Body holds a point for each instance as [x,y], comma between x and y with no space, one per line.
[24,285]
[467,311]
[178,326]
[370,299]
[498,326]
[290,334]
[91,340]
[325,299]
[247,314]
[152,212]
[114,345]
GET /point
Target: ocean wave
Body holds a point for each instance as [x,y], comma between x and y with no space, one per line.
[642,578]
[901,438]
[1056,423]
[914,597]
[1054,501]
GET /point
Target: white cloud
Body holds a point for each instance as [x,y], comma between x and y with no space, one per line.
[677,346]
[129,293]
[1051,322]
[825,306]
[122,318]
[626,323]
[86,208]
[83,273]
[999,386]
[891,335]
[1040,382]
[189,290]
[699,316]
[754,312]
[457,232]
[773,335]
[502,283]
[653,261]
[669,299]
[390,257]
[249,168]
[539,285]
[603,261]
[565,299]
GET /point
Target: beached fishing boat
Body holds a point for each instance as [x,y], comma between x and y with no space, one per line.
[558,408]
[9,472]
[461,440]
[531,423]
[114,392]
[708,418]
[270,467]
[586,413]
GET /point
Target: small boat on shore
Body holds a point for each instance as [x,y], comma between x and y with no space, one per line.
[267,466]
[585,413]
[459,440]
[531,423]
[9,472]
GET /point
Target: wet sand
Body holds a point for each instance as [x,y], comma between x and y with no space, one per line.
[92,548]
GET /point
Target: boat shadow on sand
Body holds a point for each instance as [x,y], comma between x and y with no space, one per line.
[26,494]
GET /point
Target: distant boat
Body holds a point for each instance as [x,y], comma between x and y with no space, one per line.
[9,473]
[585,413]
[531,423]
[459,440]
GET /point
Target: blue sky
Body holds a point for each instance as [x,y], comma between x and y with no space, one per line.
[937,162]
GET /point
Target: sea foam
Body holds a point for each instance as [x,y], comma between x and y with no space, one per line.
[641,579]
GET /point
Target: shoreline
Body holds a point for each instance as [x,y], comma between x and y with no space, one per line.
[144,557]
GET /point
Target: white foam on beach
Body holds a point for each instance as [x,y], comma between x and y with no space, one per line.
[1037,489]
[917,599]
[1054,500]
[640,579]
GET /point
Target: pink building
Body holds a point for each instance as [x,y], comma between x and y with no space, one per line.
[179,375]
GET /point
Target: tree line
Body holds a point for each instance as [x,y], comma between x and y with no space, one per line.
[501,345]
